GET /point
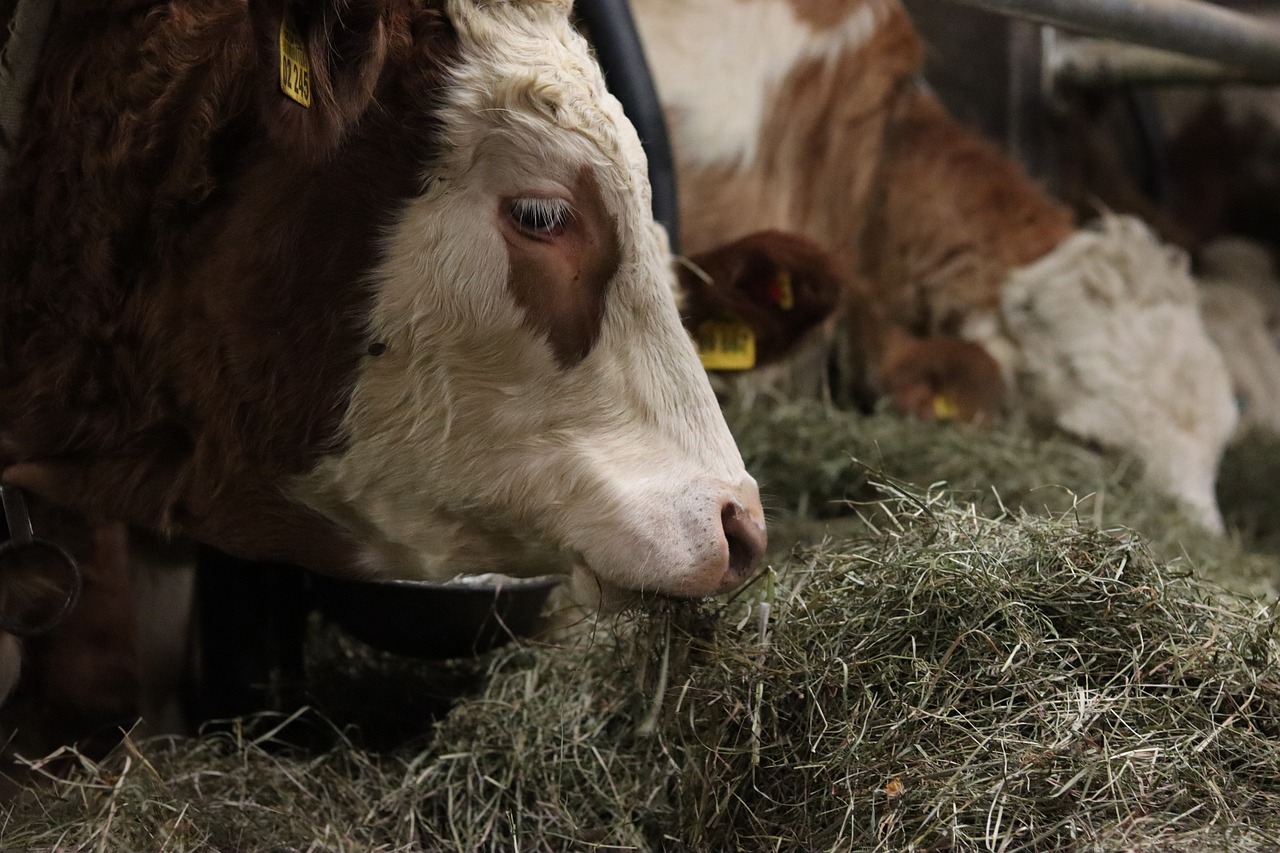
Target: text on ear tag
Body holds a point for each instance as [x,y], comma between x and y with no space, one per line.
[781,292]
[726,345]
[295,65]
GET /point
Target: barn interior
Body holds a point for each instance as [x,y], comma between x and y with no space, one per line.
[967,636]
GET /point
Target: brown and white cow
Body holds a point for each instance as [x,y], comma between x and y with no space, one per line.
[423,326]
[807,116]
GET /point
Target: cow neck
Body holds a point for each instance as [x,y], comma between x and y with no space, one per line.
[872,328]
[875,213]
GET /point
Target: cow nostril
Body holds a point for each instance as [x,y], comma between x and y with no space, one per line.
[746,538]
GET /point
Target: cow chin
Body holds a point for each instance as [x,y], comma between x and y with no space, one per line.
[619,534]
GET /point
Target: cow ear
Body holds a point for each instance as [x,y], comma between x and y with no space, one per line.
[321,63]
[782,286]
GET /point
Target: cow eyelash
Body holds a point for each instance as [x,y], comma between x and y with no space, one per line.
[540,217]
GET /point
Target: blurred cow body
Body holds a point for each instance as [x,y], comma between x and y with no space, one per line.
[807,116]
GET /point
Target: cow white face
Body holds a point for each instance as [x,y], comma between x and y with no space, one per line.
[530,402]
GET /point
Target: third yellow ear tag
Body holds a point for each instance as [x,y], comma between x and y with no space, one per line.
[726,345]
[944,408]
[295,65]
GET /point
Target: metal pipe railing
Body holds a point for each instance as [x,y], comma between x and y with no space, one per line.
[1186,26]
[1101,63]
[626,72]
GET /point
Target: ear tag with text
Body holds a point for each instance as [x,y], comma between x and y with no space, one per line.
[726,345]
[780,292]
[295,65]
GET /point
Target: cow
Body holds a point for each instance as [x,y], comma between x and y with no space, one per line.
[809,116]
[368,286]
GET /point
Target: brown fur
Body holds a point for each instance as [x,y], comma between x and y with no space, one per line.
[923,218]
[815,164]
[182,256]
[182,266]
[1224,175]
[957,217]
[1095,173]
[741,275]
[80,682]
[824,14]
[941,378]
[562,288]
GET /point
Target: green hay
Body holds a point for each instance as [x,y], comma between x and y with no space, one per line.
[1011,674]
[222,792]
[817,462]
[952,683]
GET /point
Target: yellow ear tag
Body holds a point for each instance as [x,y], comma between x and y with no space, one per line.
[295,65]
[781,293]
[944,408]
[726,345]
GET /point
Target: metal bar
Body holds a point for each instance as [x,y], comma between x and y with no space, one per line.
[1102,63]
[626,70]
[15,516]
[1185,26]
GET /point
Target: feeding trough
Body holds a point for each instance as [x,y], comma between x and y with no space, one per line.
[434,620]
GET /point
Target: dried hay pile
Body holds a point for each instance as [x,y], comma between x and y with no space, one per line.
[950,682]
[815,463]
[942,676]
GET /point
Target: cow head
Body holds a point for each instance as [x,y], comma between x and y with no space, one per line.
[941,378]
[426,329]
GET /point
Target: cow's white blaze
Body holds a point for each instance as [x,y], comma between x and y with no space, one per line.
[470,447]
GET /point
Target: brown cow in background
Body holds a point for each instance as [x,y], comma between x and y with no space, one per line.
[808,116]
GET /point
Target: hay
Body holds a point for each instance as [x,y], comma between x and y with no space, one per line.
[222,792]
[953,683]
[950,682]
[952,672]
[816,462]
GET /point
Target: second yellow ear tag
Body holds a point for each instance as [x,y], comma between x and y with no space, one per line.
[726,345]
[295,65]
[944,408]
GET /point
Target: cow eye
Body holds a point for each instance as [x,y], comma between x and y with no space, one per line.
[540,217]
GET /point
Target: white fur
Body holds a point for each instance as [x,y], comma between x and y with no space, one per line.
[1240,300]
[1235,319]
[1248,264]
[719,101]
[469,448]
[1107,341]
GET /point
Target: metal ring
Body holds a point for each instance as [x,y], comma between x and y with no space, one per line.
[27,632]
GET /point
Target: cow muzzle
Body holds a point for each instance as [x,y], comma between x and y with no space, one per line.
[696,542]
[745,543]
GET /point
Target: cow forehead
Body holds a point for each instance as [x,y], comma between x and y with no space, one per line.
[525,69]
